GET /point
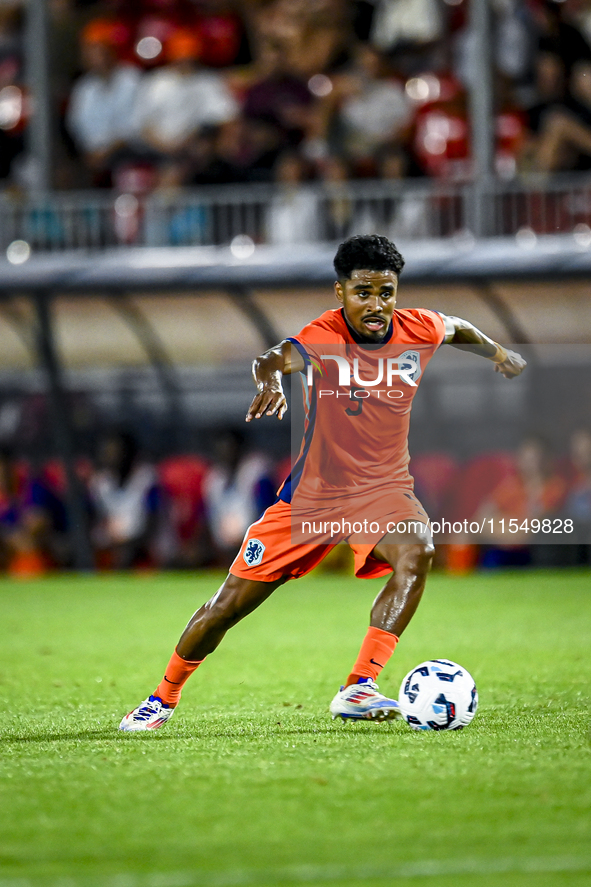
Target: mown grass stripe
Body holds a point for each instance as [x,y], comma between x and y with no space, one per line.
[310,874]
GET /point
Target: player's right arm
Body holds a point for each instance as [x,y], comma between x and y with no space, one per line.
[268,371]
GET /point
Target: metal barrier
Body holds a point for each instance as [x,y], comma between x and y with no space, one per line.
[251,214]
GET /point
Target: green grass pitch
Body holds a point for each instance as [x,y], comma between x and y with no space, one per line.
[252,783]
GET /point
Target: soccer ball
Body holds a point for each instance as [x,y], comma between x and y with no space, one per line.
[438,695]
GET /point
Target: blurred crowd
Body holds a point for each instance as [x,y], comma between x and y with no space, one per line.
[192,510]
[184,511]
[166,93]
[533,508]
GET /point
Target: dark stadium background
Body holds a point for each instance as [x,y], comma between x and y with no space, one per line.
[130,303]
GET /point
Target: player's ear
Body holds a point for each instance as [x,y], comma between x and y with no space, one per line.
[338,291]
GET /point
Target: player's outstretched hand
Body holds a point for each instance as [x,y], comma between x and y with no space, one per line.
[512,366]
[268,402]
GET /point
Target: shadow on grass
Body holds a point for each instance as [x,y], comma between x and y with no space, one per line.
[73,736]
[205,729]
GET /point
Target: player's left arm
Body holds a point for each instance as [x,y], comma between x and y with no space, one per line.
[463,334]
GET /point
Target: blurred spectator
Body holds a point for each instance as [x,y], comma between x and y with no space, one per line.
[398,23]
[239,151]
[318,75]
[292,215]
[182,479]
[128,505]
[311,36]
[279,99]
[99,116]
[370,108]
[514,45]
[578,501]
[549,89]
[177,101]
[222,34]
[32,521]
[560,117]
[564,138]
[237,489]
[560,36]
[534,491]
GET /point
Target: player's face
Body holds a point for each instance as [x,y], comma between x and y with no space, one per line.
[369,299]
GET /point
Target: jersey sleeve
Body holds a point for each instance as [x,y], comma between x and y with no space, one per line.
[311,341]
[301,348]
[427,327]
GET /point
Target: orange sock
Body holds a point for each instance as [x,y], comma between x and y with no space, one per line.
[376,649]
[178,671]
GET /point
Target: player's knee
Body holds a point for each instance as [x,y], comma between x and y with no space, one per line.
[418,558]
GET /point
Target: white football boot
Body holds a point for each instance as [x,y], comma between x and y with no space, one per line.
[363,701]
[149,715]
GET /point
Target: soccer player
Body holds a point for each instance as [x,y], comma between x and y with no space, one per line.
[351,480]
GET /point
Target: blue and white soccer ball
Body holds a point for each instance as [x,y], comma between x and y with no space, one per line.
[438,695]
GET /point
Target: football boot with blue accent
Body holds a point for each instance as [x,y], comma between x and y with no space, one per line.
[151,714]
[363,701]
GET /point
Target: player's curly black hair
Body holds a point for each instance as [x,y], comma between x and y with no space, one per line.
[367,251]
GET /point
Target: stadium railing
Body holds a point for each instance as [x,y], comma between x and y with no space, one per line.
[214,216]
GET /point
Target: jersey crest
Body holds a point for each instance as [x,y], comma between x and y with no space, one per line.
[410,366]
[253,553]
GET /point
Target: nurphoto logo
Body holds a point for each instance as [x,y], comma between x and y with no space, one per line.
[406,368]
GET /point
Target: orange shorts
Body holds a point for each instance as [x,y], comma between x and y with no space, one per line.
[269,553]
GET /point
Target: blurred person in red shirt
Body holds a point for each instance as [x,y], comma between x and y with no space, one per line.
[222,33]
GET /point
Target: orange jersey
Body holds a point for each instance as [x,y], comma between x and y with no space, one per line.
[358,402]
